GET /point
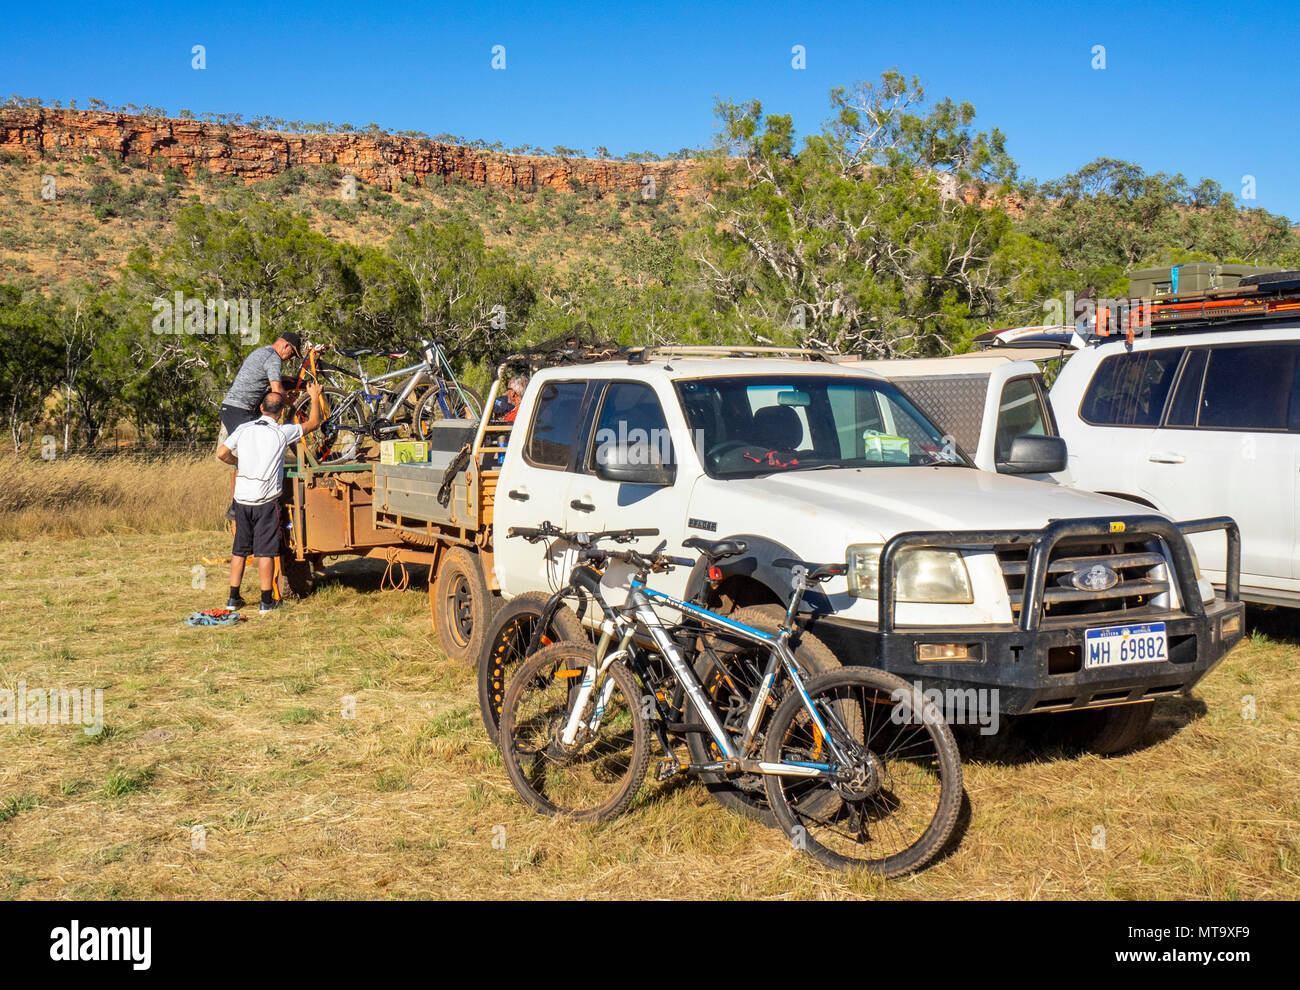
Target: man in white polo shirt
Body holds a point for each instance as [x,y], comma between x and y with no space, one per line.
[260,445]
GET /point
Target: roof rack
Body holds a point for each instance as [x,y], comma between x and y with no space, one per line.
[1257,299]
[642,355]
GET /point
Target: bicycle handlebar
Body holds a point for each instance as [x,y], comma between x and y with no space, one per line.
[548,530]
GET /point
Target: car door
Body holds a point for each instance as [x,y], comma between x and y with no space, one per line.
[629,419]
[1228,446]
[1120,409]
[535,483]
[1016,405]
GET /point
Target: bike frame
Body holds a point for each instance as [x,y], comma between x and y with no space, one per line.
[420,370]
[640,604]
[424,371]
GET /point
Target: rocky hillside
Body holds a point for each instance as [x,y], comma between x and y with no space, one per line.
[381,160]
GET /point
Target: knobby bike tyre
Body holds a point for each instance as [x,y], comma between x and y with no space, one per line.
[505,643]
[896,817]
[597,777]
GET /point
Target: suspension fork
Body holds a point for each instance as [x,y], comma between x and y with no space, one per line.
[590,678]
[777,657]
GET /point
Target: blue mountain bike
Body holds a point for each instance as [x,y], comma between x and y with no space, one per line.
[860,770]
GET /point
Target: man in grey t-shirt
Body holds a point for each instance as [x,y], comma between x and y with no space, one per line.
[260,370]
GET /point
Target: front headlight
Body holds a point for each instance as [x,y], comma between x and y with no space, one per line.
[1196,564]
[922,575]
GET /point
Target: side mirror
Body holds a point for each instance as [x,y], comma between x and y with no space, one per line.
[617,466]
[1035,455]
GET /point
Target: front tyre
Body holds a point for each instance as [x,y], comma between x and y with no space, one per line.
[894,801]
[596,775]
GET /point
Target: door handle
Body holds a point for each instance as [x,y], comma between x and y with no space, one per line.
[582,506]
[517,495]
[1166,457]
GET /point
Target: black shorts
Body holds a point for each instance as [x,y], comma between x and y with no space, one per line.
[257,530]
[233,416]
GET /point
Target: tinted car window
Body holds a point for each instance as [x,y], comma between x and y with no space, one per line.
[1020,413]
[1187,396]
[1130,389]
[555,424]
[632,421]
[1248,387]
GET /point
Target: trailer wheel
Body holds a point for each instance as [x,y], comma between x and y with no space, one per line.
[297,578]
[462,605]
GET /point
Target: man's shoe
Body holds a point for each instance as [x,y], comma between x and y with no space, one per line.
[264,607]
[236,603]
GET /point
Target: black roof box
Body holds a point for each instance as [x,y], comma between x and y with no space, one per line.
[1272,281]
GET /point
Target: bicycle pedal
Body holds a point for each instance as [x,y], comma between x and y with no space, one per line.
[666,769]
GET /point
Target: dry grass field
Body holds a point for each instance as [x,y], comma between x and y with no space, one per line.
[241,731]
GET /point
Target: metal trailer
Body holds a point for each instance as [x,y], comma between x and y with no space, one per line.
[392,512]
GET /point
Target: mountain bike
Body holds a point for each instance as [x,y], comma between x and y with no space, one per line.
[729,667]
[860,770]
[396,403]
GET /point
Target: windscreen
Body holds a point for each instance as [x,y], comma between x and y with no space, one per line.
[745,426]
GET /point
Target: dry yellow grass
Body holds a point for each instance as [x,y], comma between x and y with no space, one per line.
[242,731]
[62,499]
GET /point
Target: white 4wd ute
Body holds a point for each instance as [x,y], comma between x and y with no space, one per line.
[1037,597]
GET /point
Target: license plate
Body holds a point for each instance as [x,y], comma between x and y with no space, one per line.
[1115,645]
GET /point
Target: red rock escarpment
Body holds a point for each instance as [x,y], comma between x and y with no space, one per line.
[251,154]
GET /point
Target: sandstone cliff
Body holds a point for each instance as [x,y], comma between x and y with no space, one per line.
[251,154]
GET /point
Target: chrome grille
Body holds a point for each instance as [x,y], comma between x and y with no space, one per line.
[1140,566]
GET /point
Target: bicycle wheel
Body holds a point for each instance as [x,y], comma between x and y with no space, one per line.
[434,406]
[595,777]
[895,802]
[322,444]
[730,675]
[504,645]
[343,434]
[465,402]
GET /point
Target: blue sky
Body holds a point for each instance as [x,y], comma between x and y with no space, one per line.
[1206,89]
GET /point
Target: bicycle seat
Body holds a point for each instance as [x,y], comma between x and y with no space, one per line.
[812,572]
[355,352]
[715,549]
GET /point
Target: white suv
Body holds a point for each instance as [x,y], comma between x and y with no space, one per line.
[1201,423]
